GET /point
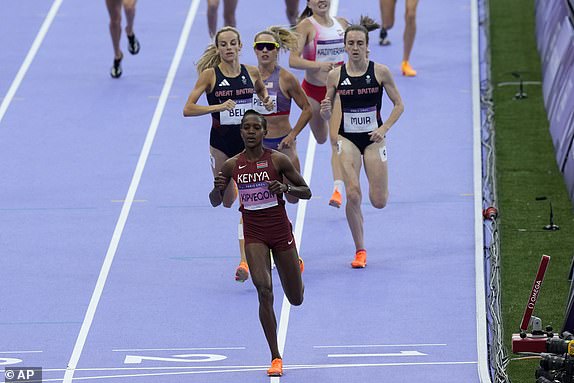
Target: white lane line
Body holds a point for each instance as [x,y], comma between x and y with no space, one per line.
[385,345]
[479,259]
[178,349]
[158,368]
[156,374]
[400,353]
[228,369]
[20,352]
[104,272]
[29,57]
[301,209]
[299,221]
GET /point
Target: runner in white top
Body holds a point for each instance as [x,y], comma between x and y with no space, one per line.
[320,49]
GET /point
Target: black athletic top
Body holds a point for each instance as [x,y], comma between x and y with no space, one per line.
[361,99]
[239,89]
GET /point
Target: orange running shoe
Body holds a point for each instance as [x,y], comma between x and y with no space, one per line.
[242,272]
[336,199]
[407,69]
[276,368]
[301,265]
[360,260]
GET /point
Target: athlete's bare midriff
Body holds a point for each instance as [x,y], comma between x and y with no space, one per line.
[316,77]
[278,126]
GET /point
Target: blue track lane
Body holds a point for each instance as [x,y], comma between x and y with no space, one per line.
[170,310]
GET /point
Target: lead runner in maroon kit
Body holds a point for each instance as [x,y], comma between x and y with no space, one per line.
[258,173]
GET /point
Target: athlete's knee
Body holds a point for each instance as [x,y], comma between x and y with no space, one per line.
[229,19]
[320,131]
[265,293]
[296,300]
[129,6]
[320,135]
[353,193]
[410,16]
[379,204]
[321,139]
[116,21]
[388,19]
[212,5]
[228,204]
[291,199]
[380,201]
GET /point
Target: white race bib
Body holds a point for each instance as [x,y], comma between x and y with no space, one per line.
[256,196]
[383,153]
[259,107]
[360,120]
[234,116]
[330,51]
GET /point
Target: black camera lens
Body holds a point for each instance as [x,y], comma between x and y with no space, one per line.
[552,362]
[557,346]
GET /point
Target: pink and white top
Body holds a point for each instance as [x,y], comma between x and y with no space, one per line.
[328,44]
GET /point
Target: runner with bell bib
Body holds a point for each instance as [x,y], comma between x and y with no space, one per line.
[229,87]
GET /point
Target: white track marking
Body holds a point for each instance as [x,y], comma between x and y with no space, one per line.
[228,369]
[301,208]
[384,345]
[480,293]
[183,358]
[29,57]
[399,354]
[105,270]
[178,349]
[298,232]
[20,352]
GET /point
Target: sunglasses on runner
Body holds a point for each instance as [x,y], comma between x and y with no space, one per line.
[269,45]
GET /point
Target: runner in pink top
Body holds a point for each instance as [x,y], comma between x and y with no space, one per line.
[320,49]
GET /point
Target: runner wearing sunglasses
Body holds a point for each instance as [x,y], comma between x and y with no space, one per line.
[229,87]
[283,87]
[320,49]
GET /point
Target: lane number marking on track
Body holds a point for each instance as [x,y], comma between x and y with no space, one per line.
[8,361]
[182,358]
